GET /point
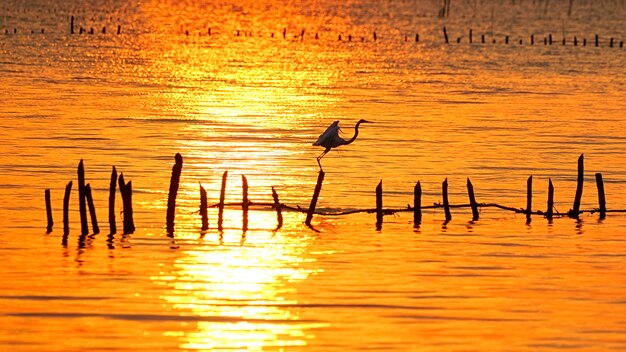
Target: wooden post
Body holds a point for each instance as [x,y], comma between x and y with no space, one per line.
[112,186]
[529,199]
[597,40]
[203,209]
[92,210]
[532,39]
[446,204]
[579,188]
[506,39]
[473,204]
[482,38]
[279,209]
[375,37]
[66,206]
[126,189]
[48,211]
[470,36]
[171,197]
[445,34]
[550,39]
[82,205]
[417,37]
[601,197]
[417,204]
[245,203]
[72,25]
[550,210]
[379,205]
[119,29]
[220,209]
[316,193]
[611,42]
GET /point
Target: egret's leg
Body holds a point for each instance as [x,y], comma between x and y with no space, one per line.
[321,156]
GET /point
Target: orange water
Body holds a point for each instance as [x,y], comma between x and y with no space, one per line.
[253,104]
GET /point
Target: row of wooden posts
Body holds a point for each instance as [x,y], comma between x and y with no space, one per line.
[86,201]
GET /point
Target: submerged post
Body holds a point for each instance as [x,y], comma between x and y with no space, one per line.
[279,210]
[379,205]
[126,189]
[92,210]
[579,188]
[417,204]
[473,204]
[245,203]
[601,197]
[446,204]
[171,197]
[48,211]
[529,199]
[220,207]
[72,25]
[112,226]
[82,205]
[66,206]
[445,34]
[316,193]
[203,209]
[550,210]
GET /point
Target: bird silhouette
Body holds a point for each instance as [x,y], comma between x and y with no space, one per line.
[331,139]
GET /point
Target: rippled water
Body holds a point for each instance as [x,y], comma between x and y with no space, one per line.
[251,101]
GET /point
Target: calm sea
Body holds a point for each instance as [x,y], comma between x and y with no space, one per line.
[247,87]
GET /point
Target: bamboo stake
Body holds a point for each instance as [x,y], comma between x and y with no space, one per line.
[579,188]
[66,205]
[92,210]
[245,202]
[417,204]
[112,226]
[278,207]
[473,204]
[446,204]
[529,199]
[48,211]
[220,213]
[82,205]
[316,193]
[550,210]
[379,205]
[601,197]
[171,197]
[203,209]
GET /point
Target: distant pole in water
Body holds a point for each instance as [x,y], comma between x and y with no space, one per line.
[171,197]
[92,210]
[316,193]
[119,29]
[446,204]
[375,37]
[470,36]
[203,208]
[472,198]
[48,211]
[579,188]
[445,34]
[611,42]
[601,196]
[72,25]
[550,39]
[529,199]
[66,206]
[279,210]
[482,38]
[245,202]
[82,205]
[506,39]
[126,189]
[597,40]
[112,185]
[220,209]
[417,37]
[417,204]
[532,39]
[550,209]
[379,206]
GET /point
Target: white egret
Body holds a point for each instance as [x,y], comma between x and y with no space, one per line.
[331,139]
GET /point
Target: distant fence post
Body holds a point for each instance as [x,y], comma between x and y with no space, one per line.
[473,204]
[550,209]
[220,209]
[446,204]
[112,185]
[171,196]
[601,197]
[529,199]
[66,206]
[48,211]
[379,206]
[417,204]
[579,187]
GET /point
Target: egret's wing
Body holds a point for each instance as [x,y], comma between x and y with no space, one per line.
[330,137]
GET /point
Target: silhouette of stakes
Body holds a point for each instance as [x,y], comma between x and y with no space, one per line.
[66,205]
[601,197]
[203,209]
[445,34]
[550,210]
[112,226]
[379,206]
[279,210]
[220,209]
[446,204]
[171,197]
[82,205]
[579,188]
[245,203]
[529,199]
[126,189]
[48,211]
[92,210]
[473,204]
[72,25]
[316,193]
[417,204]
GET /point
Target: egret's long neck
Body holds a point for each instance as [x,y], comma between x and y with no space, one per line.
[356,133]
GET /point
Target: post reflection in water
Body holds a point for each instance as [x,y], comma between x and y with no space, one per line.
[243,294]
